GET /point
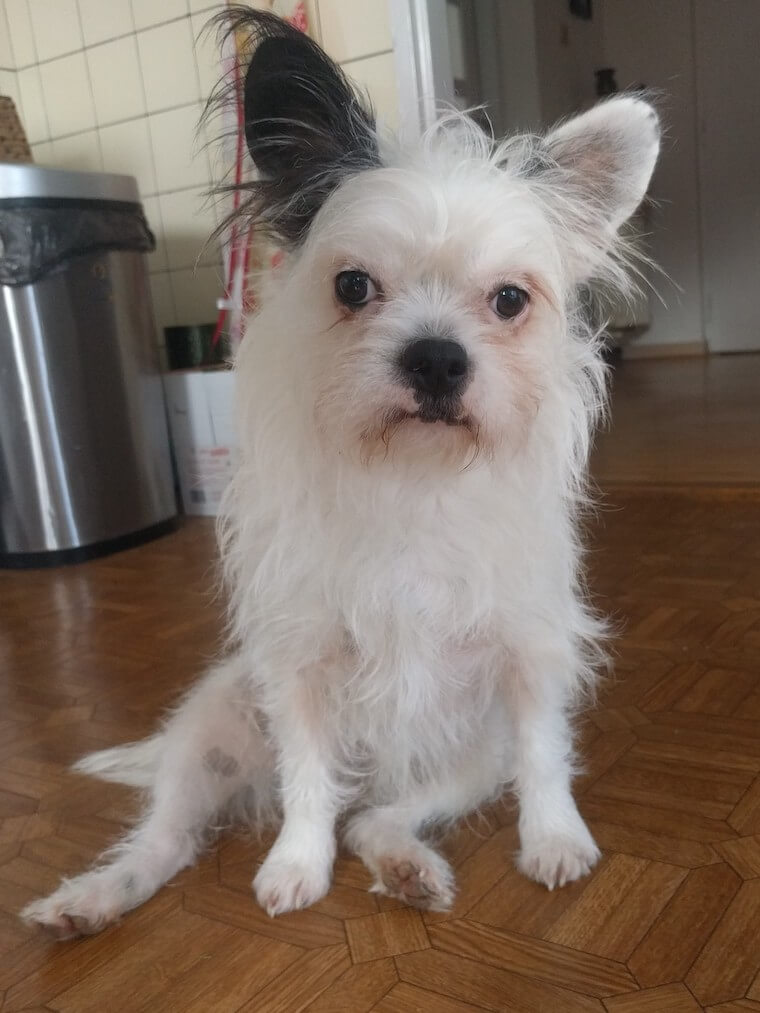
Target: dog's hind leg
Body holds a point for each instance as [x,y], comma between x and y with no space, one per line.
[210,751]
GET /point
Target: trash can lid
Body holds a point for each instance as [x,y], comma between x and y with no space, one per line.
[19,181]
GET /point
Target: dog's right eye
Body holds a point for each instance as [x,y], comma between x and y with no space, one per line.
[354,288]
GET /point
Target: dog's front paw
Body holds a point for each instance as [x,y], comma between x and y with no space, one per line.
[557,859]
[80,907]
[283,885]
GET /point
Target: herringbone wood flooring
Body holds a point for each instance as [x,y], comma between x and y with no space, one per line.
[669,922]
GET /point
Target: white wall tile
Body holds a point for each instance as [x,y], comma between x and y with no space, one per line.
[163,303]
[68,97]
[56,27]
[157,259]
[154,12]
[116,83]
[80,151]
[207,54]
[179,163]
[354,28]
[93,105]
[104,19]
[9,87]
[168,65]
[22,37]
[377,74]
[43,154]
[188,221]
[126,148]
[221,151]
[32,105]
[195,294]
[7,60]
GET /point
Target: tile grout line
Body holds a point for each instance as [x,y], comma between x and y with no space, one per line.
[9,37]
[113,38]
[89,85]
[121,122]
[141,31]
[154,165]
[365,56]
[35,66]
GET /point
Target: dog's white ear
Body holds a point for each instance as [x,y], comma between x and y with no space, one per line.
[606,157]
[610,154]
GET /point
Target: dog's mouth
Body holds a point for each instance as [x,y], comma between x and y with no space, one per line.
[446,417]
[396,420]
[429,410]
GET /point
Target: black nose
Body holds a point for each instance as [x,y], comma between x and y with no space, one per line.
[434,366]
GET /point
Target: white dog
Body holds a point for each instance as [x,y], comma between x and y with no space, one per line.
[417,395]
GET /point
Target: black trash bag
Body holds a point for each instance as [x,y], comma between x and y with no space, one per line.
[39,236]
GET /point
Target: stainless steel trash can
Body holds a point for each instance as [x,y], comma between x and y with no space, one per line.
[85,467]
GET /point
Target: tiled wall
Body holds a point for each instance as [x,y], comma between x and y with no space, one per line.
[118,86]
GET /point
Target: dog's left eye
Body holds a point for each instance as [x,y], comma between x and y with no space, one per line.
[354,288]
[509,301]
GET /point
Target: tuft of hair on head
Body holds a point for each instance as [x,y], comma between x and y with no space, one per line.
[589,172]
[306,127]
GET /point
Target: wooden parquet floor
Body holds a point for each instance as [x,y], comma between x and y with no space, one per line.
[668,923]
[683,421]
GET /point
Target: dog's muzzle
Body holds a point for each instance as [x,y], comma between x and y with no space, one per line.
[437,370]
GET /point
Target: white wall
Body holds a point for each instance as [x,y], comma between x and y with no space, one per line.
[569,49]
[728,100]
[510,85]
[119,85]
[648,42]
[8,78]
[537,61]
[652,42]
[537,65]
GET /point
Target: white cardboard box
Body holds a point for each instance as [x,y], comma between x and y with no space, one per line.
[200,405]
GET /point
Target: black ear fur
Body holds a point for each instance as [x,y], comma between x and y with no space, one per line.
[305,126]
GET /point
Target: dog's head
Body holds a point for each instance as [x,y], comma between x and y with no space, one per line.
[428,301]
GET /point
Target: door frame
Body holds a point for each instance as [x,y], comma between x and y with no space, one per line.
[423,62]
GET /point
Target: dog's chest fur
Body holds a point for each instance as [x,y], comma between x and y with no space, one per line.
[436,565]
[413,595]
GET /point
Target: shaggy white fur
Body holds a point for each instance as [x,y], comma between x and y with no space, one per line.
[409,630]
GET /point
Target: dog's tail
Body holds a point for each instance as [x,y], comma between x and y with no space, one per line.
[135,763]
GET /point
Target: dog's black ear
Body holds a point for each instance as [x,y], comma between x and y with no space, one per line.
[305,126]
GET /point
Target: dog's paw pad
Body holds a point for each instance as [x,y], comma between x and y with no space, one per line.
[282,886]
[421,879]
[557,860]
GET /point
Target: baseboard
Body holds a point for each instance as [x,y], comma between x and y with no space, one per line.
[703,492]
[671,350]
